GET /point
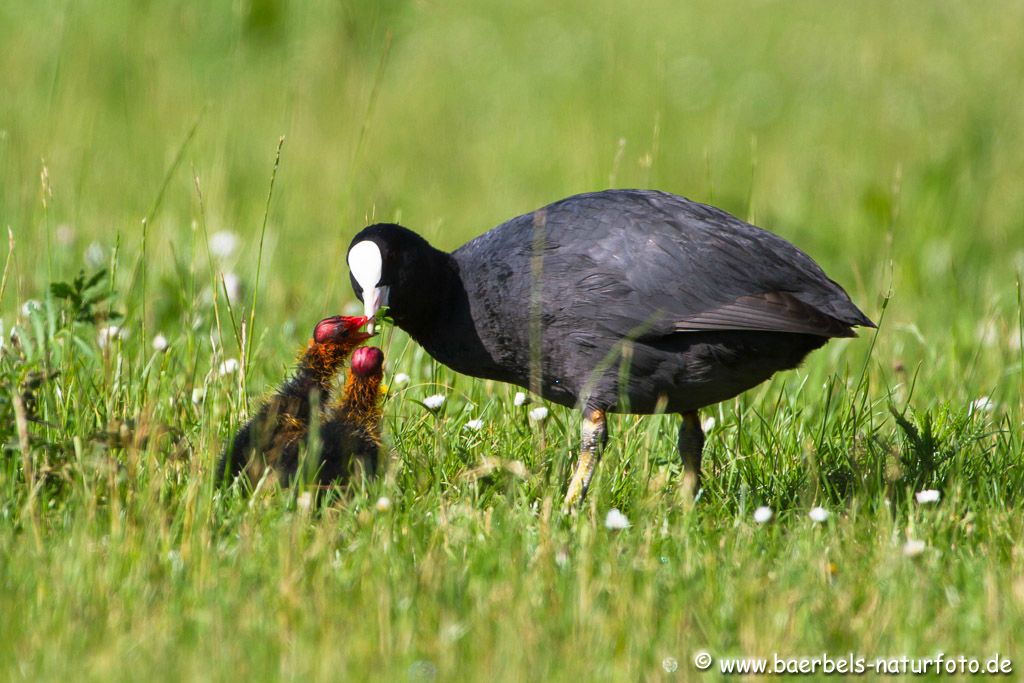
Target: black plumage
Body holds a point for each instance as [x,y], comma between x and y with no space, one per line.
[622,301]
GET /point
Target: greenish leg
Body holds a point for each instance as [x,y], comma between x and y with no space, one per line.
[594,438]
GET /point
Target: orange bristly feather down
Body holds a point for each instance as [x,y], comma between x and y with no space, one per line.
[324,359]
[359,404]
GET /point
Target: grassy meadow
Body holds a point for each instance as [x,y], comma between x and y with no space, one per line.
[191,174]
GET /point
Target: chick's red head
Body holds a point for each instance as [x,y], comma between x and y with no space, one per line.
[367,361]
[340,328]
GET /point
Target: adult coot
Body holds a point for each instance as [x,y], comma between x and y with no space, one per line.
[630,301]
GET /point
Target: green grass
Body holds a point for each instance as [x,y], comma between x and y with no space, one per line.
[884,139]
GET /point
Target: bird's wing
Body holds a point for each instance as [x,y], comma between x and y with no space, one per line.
[767,312]
[654,264]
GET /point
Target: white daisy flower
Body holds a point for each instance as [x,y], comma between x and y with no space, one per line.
[65,234]
[434,402]
[987,333]
[228,367]
[383,504]
[520,399]
[108,334]
[927,496]
[422,670]
[818,514]
[475,425]
[160,343]
[30,307]
[762,514]
[914,547]
[615,520]
[983,404]
[538,414]
[401,379]
[95,255]
[233,287]
[223,243]
[175,560]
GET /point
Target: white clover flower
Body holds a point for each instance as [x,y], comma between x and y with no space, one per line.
[223,243]
[232,287]
[520,399]
[615,520]
[818,514]
[198,395]
[401,379]
[434,402]
[160,343]
[383,504]
[109,334]
[914,547]
[983,404]
[927,496]
[30,307]
[476,425]
[538,414]
[708,423]
[228,367]
[95,255]
[762,514]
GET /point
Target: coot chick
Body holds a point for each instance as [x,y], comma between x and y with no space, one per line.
[271,439]
[631,301]
[351,428]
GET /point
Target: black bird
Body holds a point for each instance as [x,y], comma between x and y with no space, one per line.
[271,439]
[351,428]
[629,301]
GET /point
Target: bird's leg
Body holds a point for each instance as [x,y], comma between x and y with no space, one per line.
[691,446]
[594,438]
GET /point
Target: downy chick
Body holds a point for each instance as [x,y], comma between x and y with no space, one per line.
[271,439]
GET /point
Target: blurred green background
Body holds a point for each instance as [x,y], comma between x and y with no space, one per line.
[883,138]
